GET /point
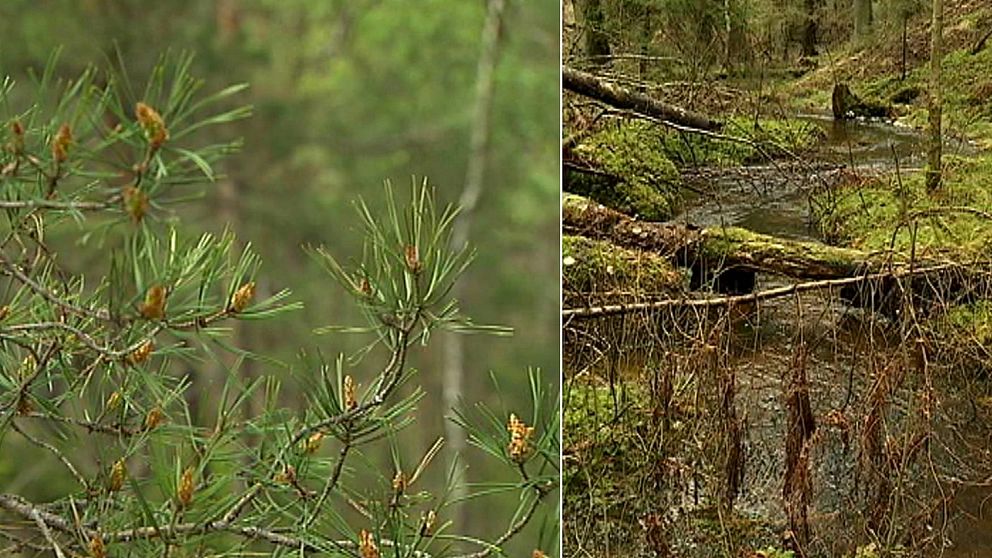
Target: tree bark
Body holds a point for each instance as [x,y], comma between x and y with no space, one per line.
[810,30]
[596,39]
[454,351]
[846,104]
[588,85]
[713,247]
[862,18]
[936,99]
[736,49]
[727,260]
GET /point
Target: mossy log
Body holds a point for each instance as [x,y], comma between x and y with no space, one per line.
[728,259]
[599,272]
[724,248]
[589,85]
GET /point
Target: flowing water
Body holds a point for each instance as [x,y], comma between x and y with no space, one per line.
[776,199]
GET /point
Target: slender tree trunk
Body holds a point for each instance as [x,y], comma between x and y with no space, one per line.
[810,29]
[936,100]
[647,35]
[862,18]
[735,52]
[728,30]
[454,351]
[569,30]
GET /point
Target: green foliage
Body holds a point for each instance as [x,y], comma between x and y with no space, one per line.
[602,457]
[773,552]
[344,94]
[94,374]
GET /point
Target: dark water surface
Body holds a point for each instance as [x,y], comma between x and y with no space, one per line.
[776,199]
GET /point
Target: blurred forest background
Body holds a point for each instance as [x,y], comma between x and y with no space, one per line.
[347,94]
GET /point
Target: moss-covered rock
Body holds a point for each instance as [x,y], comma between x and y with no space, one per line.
[629,171]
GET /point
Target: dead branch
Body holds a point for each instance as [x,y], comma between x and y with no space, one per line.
[614,95]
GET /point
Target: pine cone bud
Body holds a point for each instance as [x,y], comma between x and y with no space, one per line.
[242,297]
[97,548]
[366,545]
[519,447]
[117,474]
[312,444]
[154,306]
[17,142]
[184,492]
[412,256]
[61,143]
[350,400]
[153,125]
[142,353]
[154,418]
[135,203]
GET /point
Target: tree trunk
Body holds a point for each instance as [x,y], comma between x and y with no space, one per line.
[591,86]
[862,18]
[569,30]
[727,259]
[596,272]
[647,36]
[597,41]
[726,248]
[810,30]
[936,101]
[728,25]
[454,352]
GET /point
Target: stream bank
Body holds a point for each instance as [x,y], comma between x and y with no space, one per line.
[843,350]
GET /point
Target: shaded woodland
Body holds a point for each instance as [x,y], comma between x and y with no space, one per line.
[776,277]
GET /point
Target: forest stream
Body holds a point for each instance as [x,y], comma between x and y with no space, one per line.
[775,199]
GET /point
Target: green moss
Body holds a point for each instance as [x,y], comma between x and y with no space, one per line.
[967,90]
[593,266]
[768,138]
[887,212]
[602,427]
[722,241]
[646,183]
[973,320]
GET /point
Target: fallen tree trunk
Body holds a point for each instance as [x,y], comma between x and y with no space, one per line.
[715,247]
[589,311]
[727,260]
[589,85]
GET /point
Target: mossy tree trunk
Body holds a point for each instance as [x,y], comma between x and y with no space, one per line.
[714,247]
[598,272]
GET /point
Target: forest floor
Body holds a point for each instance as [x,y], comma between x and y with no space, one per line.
[615,426]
